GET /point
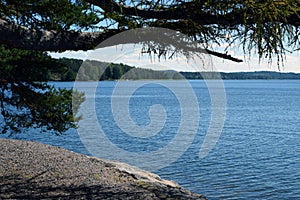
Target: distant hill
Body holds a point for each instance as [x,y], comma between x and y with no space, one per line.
[96,70]
[240,75]
[111,71]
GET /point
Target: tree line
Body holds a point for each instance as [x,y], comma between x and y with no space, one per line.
[96,70]
[265,75]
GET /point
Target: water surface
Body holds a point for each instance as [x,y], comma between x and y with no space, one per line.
[256,157]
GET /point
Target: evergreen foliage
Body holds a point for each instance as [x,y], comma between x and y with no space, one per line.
[26,100]
[267,27]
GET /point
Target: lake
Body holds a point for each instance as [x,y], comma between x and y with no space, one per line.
[257,154]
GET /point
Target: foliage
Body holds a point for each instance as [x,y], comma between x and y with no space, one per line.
[26,100]
[36,105]
[25,65]
[268,27]
[49,14]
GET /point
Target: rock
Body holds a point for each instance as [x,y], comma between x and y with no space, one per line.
[31,170]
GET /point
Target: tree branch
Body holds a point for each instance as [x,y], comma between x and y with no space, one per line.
[222,55]
[188,11]
[21,37]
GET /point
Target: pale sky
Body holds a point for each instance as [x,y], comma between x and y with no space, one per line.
[130,54]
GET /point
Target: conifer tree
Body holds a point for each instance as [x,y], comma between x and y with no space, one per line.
[31,28]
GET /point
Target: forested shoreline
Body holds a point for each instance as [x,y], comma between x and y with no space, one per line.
[96,70]
[257,75]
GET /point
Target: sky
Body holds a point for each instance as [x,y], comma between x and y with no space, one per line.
[131,55]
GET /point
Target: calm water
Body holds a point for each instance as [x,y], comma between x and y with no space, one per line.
[257,155]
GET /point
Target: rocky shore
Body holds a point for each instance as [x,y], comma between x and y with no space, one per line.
[30,170]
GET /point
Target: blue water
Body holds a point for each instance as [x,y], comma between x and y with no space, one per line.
[256,157]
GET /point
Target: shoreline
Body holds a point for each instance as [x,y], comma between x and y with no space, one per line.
[35,170]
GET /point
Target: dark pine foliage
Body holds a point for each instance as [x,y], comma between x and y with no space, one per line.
[27,100]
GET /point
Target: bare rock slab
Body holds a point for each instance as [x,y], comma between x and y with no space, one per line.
[31,170]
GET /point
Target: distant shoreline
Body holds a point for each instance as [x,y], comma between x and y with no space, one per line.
[96,70]
[257,75]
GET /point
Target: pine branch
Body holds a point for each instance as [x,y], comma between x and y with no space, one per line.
[21,37]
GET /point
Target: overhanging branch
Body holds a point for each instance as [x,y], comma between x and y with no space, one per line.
[189,11]
[21,37]
[222,55]
[186,11]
